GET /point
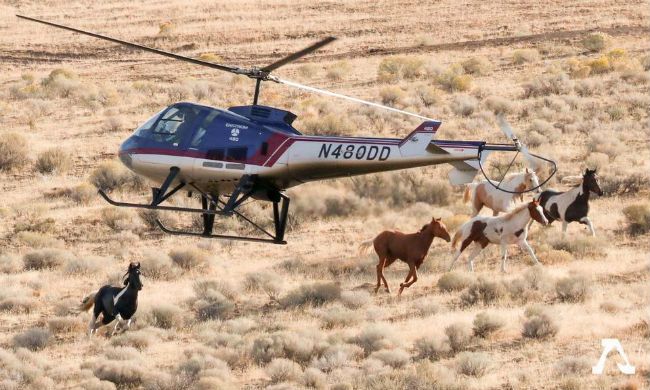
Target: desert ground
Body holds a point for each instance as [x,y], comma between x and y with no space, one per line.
[571,77]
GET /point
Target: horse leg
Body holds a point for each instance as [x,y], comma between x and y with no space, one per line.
[458,253]
[587,221]
[478,205]
[565,224]
[406,281]
[524,245]
[92,325]
[495,213]
[504,256]
[380,272]
[118,323]
[383,278]
[470,260]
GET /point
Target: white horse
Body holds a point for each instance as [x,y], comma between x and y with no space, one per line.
[508,229]
[485,194]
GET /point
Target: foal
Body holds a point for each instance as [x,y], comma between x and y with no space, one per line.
[410,248]
[485,194]
[115,302]
[572,205]
[504,230]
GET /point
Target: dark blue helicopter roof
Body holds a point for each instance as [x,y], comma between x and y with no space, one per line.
[268,116]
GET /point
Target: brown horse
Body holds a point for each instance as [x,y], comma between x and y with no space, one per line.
[410,248]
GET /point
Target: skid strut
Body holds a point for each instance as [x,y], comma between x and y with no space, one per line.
[212,205]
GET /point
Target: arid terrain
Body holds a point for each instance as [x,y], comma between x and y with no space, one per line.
[573,78]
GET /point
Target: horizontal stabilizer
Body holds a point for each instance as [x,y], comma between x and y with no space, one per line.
[464,171]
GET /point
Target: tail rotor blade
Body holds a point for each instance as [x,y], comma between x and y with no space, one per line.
[508,132]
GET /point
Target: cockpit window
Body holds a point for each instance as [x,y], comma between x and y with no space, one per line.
[203,129]
[172,126]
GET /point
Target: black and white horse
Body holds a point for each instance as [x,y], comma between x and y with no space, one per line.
[115,303]
[572,205]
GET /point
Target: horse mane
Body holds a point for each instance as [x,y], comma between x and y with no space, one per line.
[516,210]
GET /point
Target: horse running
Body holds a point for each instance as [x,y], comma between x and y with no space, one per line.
[115,302]
[508,229]
[410,248]
[572,205]
[485,194]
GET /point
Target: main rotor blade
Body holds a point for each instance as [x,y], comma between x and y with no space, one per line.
[298,54]
[226,68]
[338,95]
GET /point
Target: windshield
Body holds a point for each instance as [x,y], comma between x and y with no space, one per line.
[170,126]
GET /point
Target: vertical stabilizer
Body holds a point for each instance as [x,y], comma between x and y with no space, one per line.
[416,143]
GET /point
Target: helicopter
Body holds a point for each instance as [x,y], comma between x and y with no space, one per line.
[230,156]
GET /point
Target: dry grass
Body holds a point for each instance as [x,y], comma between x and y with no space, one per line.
[222,325]
[33,339]
[55,160]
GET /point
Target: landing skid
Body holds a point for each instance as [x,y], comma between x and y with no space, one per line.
[212,206]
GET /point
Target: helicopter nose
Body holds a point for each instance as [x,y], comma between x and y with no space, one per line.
[125,151]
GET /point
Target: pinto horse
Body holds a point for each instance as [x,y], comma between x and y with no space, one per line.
[485,194]
[508,229]
[410,248]
[572,205]
[114,302]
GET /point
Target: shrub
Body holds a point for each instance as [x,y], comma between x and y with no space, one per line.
[539,326]
[600,65]
[82,194]
[499,105]
[125,374]
[166,316]
[431,348]
[84,265]
[166,28]
[54,160]
[110,176]
[158,266]
[454,281]
[312,294]
[13,151]
[580,247]
[459,335]
[299,347]
[266,282]
[213,305]
[189,258]
[10,264]
[572,289]
[454,80]
[314,378]
[337,316]
[638,218]
[139,339]
[572,366]
[473,363]
[38,240]
[396,358]
[428,95]
[46,259]
[17,304]
[464,105]
[595,42]
[116,219]
[484,291]
[281,370]
[33,339]
[479,66]
[329,124]
[338,70]
[392,95]
[545,85]
[59,325]
[393,69]
[355,299]
[523,56]
[113,124]
[62,82]
[486,324]
[373,338]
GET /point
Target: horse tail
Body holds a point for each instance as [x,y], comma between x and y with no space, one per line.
[364,247]
[456,238]
[87,302]
[469,192]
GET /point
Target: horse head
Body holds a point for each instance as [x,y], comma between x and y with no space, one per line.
[590,182]
[439,229]
[536,212]
[531,180]
[132,276]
